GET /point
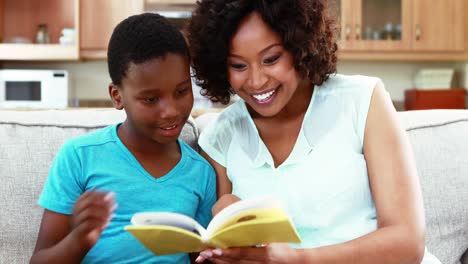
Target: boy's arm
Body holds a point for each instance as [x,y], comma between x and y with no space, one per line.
[68,238]
[55,243]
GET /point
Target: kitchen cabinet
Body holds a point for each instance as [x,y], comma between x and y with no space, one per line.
[375,25]
[438,25]
[97,21]
[99,17]
[402,29]
[19,22]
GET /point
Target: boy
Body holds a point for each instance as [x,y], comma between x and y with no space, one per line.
[140,164]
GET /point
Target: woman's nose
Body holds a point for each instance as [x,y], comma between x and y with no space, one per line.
[257,78]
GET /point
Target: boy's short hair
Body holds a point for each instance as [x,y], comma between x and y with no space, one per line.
[140,38]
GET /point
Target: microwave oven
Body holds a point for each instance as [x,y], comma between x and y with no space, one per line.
[33,88]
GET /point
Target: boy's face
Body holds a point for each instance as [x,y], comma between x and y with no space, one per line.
[157,97]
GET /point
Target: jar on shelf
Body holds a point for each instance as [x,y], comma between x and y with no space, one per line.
[388,31]
[42,35]
[67,37]
[397,33]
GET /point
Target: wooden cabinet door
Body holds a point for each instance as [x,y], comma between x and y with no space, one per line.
[22,17]
[99,17]
[344,11]
[383,25]
[438,25]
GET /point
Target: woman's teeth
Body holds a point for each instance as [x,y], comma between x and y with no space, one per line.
[169,128]
[263,97]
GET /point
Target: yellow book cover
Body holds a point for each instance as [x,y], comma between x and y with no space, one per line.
[244,223]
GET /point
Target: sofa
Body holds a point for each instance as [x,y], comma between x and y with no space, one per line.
[29,141]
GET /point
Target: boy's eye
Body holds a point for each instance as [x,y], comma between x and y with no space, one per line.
[151,99]
[182,91]
[271,60]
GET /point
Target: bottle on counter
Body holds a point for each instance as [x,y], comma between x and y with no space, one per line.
[42,35]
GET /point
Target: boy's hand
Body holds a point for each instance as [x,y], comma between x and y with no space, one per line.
[224,201]
[92,212]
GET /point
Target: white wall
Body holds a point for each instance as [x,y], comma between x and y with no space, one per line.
[397,76]
[90,79]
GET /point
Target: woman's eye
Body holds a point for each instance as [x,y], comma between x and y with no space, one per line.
[271,60]
[237,66]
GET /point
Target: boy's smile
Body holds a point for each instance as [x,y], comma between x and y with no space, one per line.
[172,130]
[157,97]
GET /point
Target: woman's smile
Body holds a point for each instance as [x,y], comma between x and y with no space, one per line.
[264,97]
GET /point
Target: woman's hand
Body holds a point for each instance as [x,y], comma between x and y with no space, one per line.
[223,202]
[273,253]
[91,214]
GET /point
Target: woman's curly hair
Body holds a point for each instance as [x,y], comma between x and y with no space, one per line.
[306,27]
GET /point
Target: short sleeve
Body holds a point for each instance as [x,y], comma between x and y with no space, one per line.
[215,140]
[204,214]
[363,100]
[63,185]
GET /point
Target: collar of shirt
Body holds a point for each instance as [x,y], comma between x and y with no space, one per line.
[257,151]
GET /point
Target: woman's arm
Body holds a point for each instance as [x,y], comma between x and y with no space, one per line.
[395,188]
[400,237]
[223,184]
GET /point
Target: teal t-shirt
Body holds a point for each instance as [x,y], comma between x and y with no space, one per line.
[99,160]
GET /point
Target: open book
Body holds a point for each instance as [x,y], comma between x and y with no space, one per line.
[244,223]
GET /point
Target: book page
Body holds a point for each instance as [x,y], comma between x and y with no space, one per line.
[269,226]
[165,239]
[169,219]
[238,207]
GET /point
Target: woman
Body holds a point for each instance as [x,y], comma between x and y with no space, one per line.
[328,146]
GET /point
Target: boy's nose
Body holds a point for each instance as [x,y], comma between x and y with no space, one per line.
[168,110]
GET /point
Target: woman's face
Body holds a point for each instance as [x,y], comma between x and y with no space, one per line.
[260,70]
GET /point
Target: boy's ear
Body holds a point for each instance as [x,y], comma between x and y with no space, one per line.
[116,96]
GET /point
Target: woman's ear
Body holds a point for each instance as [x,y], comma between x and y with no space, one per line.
[116,96]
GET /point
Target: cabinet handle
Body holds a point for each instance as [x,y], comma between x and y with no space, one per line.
[347,32]
[418,32]
[358,32]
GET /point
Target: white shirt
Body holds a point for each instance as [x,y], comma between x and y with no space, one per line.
[323,184]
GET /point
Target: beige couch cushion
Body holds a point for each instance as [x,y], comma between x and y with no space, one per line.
[440,144]
[28,143]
